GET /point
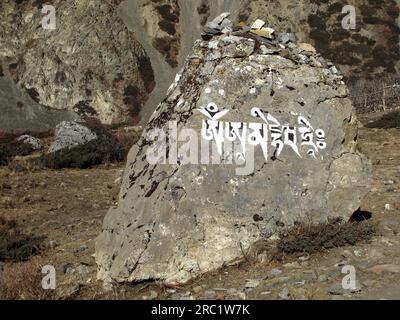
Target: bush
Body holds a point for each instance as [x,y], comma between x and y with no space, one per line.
[104,149]
[387,121]
[335,233]
[9,150]
[14,245]
[23,281]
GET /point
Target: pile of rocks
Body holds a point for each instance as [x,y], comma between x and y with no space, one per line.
[219,25]
[270,41]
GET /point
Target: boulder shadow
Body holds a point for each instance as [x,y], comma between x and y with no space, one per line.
[387,121]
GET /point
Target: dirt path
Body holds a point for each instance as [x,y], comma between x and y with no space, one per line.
[68,207]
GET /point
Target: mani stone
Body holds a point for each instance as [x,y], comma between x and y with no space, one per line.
[175,221]
[70,134]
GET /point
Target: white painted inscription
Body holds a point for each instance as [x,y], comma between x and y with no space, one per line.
[269,133]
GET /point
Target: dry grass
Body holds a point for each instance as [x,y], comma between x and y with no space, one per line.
[307,238]
[376,95]
[23,281]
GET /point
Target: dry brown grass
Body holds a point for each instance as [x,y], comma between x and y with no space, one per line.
[24,164]
[23,281]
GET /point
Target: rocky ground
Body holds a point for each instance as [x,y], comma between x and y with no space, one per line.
[68,207]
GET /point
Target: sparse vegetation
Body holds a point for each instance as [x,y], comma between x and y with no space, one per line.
[387,121]
[10,149]
[22,281]
[98,151]
[335,233]
[104,149]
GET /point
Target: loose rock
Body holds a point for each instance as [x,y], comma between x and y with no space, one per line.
[34,142]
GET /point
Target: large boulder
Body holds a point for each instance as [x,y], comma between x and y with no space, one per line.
[294,159]
[70,134]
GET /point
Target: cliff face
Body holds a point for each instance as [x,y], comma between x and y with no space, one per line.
[106,57]
[167,30]
[90,64]
[368,52]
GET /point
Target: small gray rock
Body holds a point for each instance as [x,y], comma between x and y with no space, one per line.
[275,272]
[252,283]
[210,294]
[34,142]
[213,25]
[82,269]
[285,37]
[68,269]
[52,244]
[303,59]
[284,294]
[225,24]
[265,50]
[221,17]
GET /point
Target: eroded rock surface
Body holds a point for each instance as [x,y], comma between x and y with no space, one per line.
[90,64]
[176,221]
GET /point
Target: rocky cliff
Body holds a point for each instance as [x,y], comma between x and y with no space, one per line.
[89,64]
[115,59]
